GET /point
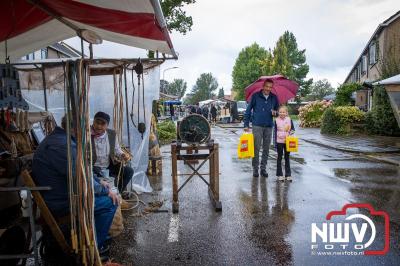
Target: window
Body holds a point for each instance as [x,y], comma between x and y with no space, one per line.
[356,74]
[364,65]
[372,53]
[30,56]
[43,53]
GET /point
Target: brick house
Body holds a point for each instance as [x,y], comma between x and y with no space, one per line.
[383,46]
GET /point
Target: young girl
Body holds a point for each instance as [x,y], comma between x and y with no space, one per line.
[283,127]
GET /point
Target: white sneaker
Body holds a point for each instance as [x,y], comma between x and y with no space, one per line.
[281,178]
[289,178]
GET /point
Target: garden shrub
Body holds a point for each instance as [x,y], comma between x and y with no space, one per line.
[310,115]
[344,92]
[380,120]
[340,120]
[166,132]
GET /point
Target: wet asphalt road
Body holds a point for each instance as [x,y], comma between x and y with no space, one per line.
[263,222]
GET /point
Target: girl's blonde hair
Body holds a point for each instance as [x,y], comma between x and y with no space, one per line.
[283,107]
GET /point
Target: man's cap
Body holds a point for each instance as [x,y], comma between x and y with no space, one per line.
[102,116]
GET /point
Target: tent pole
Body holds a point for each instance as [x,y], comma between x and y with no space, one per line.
[126,109]
[91,50]
[44,88]
[82,47]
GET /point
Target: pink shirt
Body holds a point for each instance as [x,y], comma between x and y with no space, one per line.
[283,128]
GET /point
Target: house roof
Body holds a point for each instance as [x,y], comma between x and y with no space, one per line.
[395,80]
[66,49]
[378,30]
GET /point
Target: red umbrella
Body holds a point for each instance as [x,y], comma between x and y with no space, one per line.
[285,89]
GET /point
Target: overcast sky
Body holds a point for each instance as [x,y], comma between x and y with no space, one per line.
[333,32]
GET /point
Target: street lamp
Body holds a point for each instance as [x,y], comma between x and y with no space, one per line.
[163,75]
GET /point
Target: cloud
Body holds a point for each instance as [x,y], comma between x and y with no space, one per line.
[333,32]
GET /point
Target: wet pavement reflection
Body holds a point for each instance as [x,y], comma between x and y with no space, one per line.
[263,222]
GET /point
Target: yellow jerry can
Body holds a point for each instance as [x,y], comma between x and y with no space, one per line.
[246,146]
[292,143]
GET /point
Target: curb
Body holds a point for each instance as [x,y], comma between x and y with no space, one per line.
[348,150]
[385,160]
[370,155]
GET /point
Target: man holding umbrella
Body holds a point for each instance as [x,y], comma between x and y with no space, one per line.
[262,107]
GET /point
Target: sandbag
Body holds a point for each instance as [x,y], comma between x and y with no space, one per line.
[117,225]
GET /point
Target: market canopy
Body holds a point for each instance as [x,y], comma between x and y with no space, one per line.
[173,102]
[28,25]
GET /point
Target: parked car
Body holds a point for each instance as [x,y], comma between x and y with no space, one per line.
[241,106]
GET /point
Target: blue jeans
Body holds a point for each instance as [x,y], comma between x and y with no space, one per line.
[104,211]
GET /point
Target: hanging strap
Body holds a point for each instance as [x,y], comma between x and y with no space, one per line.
[133,99]
[144,106]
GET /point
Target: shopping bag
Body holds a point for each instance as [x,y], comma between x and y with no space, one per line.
[246,146]
[292,143]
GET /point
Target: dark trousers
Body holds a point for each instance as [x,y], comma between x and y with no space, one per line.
[125,175]
[281,149]
[262,139]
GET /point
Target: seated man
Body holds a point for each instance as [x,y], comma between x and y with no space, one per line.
[106,149]
[50,168]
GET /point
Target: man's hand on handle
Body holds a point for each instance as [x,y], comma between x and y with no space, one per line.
[246,129]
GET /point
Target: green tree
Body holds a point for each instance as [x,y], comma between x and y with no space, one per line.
[204,88]
[344,93]
[164,86]
[177,87]
[247,68]
[288,60]
[381,119]
[175,16]
[319,90]
[267,63]
[280,60]
[221,93]
[297,60]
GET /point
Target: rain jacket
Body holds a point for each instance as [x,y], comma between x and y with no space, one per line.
[50,168]
[261,108]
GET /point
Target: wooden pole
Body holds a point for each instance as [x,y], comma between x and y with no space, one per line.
[216,172]
[175,203]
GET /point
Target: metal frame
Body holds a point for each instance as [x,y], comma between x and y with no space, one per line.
[35,254]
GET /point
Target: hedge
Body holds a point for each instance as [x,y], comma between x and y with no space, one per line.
[381,120]
[340,120]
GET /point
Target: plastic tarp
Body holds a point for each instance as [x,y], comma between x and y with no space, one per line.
[101,99]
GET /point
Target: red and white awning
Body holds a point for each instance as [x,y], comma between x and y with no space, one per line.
[29,25]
